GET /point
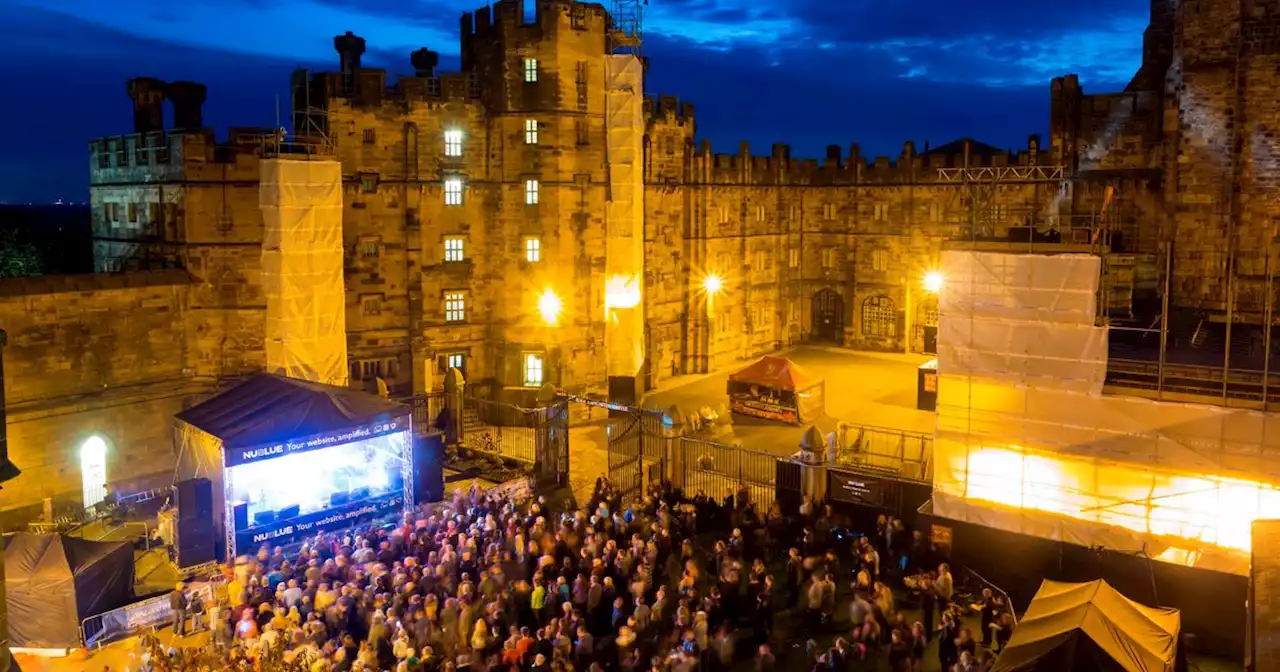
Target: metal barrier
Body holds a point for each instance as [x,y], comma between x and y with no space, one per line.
[425,410]
[148,614]
[906,454]
[504,430]
[718,469]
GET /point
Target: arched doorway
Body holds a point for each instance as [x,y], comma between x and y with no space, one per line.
[828,316]
[93,470]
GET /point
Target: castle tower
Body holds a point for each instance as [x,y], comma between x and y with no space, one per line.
[147,94]
[424,62]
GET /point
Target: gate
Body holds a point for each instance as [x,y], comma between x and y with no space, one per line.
[551,460]
[635,439]
[790,485]
[718,469]
[828,316]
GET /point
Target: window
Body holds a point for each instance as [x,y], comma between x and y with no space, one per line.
[111,211]
[369,183]
[582,83]
[455,307]
[531,192]
[370,136]
[132,209]
[935,212]
[880,261]
[454,249]
[530,131]
[829,258]
[724,215]
[879,317]
[793,258]
[580,130]
[453,143]
[759,261]
[530,69]
[533,250]
[93,470]
[795,213]
[670,143]
[759,213]
[532,369]
[828,210]
[371,304]
[455,360]
[453,191]
[370,248]
[880,211]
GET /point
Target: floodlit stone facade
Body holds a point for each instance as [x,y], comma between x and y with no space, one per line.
[470,195]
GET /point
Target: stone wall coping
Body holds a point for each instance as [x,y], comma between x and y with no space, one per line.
[93,282]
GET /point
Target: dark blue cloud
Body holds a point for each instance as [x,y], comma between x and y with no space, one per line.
[804,72]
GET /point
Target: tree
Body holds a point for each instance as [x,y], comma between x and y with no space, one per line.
[18,258]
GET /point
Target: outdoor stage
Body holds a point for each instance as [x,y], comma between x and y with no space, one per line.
[288,458]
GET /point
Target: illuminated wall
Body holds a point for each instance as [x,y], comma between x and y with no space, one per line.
[1027,442]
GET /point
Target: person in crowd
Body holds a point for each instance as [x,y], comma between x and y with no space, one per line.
[178,604]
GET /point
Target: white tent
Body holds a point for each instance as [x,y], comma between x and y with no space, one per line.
[1078,626]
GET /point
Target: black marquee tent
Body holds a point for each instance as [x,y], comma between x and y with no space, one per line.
[52,582]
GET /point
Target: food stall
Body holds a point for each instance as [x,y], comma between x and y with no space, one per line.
[775,388]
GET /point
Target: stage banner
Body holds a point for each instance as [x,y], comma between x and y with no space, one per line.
[763,407]
[236,456]
[248,540]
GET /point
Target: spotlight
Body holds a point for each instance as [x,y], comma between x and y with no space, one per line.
[933,282]
[549,306]
[713,284]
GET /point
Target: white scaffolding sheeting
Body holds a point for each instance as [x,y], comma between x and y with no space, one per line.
[1027,442]
[302,255]
[624,216]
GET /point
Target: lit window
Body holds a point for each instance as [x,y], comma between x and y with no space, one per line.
[371,305]
[531,192]
[453,143]
[793,258]
[881,212]
[455,307]
[530,131]
[454,360]
[530,69]
[724,215]
[532,369]
[453,191]
[454,249]
[880,261]
[533,249]
[370,247]
[829,211]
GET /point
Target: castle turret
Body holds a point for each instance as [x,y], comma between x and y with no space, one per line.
[188,104]
[350,48]
[424,62]
[147,94]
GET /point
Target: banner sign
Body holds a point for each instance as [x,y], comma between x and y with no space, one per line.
[236,456]
[283,531]
[760,408]
[149,613]
[855,488]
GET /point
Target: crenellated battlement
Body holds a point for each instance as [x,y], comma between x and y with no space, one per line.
[504,22]
[779,168]
[668,109]
[369,88]
[159,150]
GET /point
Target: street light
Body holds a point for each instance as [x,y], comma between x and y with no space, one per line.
[933,282]
[712,283]
[549,306]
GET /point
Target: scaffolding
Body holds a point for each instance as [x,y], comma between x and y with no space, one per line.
[626,27]
[1027,442]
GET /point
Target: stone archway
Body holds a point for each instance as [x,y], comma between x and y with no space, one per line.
[828,316]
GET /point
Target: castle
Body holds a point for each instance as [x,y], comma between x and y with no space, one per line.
[470,196]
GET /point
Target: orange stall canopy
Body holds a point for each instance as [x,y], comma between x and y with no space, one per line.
[776,388]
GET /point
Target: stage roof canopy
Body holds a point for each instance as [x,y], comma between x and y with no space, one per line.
[268,408]
[776,372]
[1066,620]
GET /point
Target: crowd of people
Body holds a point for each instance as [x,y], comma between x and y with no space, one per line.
[670,582]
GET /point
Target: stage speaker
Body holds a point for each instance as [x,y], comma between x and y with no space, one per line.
[194,498]
[240,514]
[288,512]
[194,541]
[428,468]
[264,517]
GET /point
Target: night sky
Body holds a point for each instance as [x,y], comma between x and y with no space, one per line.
[804,72]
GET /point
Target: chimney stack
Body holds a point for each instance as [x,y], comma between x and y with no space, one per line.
[188,103]
[350,48]
[147,94]
[424,62]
